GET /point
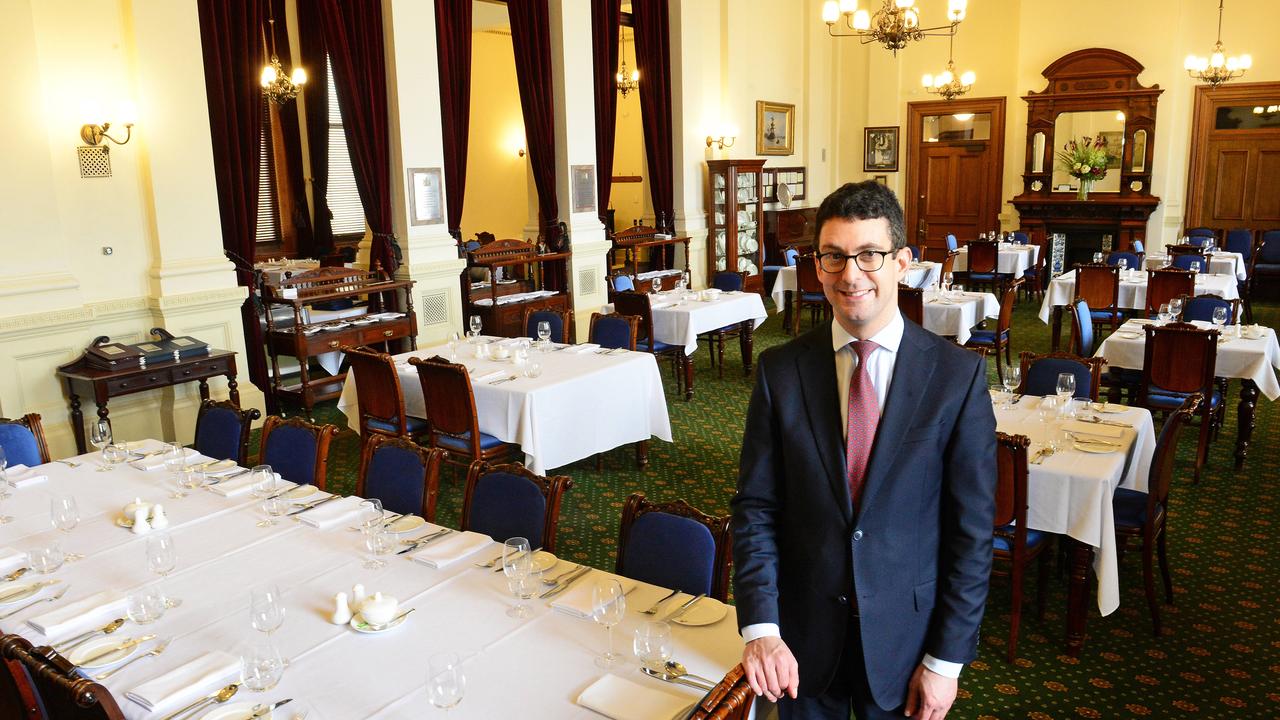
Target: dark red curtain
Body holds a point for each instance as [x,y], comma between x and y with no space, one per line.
[604,43]
[316,94]
[653,59]
[453,54]
[531,39]
[353,37]
[231,41]
[289,184]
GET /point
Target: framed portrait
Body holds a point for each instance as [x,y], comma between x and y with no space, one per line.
[775,128]
[881,179]
[425,202]
[1115,147]
[880,149]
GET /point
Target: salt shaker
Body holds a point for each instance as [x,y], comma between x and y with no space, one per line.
[159,520]
[341,611]
[140,524]
[357,597]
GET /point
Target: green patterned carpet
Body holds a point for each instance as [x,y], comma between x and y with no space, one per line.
[1219,657]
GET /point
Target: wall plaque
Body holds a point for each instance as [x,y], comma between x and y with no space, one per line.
[426,197]
[584,188]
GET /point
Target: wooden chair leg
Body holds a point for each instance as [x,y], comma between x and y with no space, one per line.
[1149,586]
[1164,567]
[1042,583]
[720,354]
[1015,612]
[599,462]
[642,454]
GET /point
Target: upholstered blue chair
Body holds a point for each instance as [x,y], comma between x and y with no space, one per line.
[1143,516]
[402,474]
[915,252]
[623,283]
[506,501]
[1240,240]
[1183,262]
[1020,238]
[637,304]
[222,430]
[1013,543]
[561,324]
[952,244]
[998,341]
[728,281]
[614,331]
[1082,338]
[23,441]
[1201,307]
[808,294]
[1178,361]
[1267,261]
[674,545]
[379,396]
[451,412]
[1040,373]
[1125,260]
[1197,235]
[296,449]
[791,256]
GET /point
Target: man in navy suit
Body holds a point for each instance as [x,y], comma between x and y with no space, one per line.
[862,521]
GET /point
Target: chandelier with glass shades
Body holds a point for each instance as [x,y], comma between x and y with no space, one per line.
[626,81]
[1217,68]
[276,85]
[946,83]
[894,25]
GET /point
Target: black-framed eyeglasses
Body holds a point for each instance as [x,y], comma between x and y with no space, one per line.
[867,260]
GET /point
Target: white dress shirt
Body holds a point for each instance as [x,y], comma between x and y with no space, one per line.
[880,368]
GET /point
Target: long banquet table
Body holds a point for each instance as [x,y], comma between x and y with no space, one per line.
[532,668]
[583,403]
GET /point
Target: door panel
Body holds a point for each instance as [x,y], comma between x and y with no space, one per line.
[1266,192]
[1230,183]
[1234,173]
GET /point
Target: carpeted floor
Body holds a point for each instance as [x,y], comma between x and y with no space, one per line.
[1219,657]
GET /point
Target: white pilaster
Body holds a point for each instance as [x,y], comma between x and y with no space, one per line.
[695,112]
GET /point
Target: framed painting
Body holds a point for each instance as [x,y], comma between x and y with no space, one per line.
[880,149]
[775,128]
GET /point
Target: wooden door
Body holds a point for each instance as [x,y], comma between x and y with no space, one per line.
[1234,180]
[953,175]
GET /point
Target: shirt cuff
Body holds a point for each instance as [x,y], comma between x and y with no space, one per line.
[944,668]
[760,630]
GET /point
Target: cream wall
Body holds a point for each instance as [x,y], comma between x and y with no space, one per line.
[497,182]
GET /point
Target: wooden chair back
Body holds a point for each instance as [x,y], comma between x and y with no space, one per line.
[62,692]
[378,390]
[450,403]
[1179,357]
[730,699]
[638,506]
[984,257]
[911,303]
[17,697]
[1011,486]
[1165,285]
[1186,249]
[426,473]
[1098,285]
[291,465]
[551,487]
[1093,366]
[807,277]
[637,304]
[31,423]
[207,438]
[948,266]
[1163,460]
[631,322]
[1007,301]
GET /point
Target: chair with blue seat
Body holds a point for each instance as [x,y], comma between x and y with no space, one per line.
[23,441]
[1184,261]
[952,244]
[1201,307]
[506,501]
[1099,286]
[1117,380]
[984,262]
[1266,264]
[1137,247]
[789,258]
[917,253]
[730,699]
[1240,240]
[222,430]
[379,396]
[1013,543]
[451,413]
[622,283]
[40,683]
[630,303]
[1039,373]
[728,281]
[614,331]
[1167,284]
[402,474]
[295,449]
[1126,260]
[1034,276]
[674,545]
[1144,515]
[999,340]
[1197,235]
[561,322]
[808,294]
[1180,360]
[1021,238]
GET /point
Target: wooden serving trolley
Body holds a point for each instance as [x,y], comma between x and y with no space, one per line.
[631,241]
[501,303]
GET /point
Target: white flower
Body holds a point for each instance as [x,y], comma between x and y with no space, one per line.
[1085,168]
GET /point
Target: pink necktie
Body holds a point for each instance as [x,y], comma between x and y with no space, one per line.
[864,415]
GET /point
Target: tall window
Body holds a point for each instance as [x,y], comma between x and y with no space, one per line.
[268,230]
[344,198]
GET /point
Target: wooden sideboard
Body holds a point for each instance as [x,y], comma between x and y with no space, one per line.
[787,227]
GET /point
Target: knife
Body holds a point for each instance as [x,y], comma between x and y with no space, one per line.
[228,476]
[266,710]
[313,505]
[685,607]
[99,654]
[565,583]
[423,542]
[25,590]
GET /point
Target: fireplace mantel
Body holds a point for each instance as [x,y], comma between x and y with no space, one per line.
[1124,215]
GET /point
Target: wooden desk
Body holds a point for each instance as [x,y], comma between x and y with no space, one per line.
[106,384]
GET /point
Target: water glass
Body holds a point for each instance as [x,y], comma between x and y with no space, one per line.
[113,455]
[653,645]
[474,323]
[263,480]
[1163,314]
[1175,309]
[175,463]
[544,332]
[261,666]
[482,351]
[446,682]
[1098,258]
[47,559]
[1066,386]
[275,507]
[1195,266]
[100,437]
[655,285]
[145,606]
[453,347]
[608,606]
[162,558]
[266,608]
[379,541]
[1080,407]
[1220,317]
[517,565]
[64,515]
[1012,379]
[194,477]
[532,369]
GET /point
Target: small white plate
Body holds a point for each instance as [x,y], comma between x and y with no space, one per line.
[358,624]
[302,491]
[12,595]
[235,711]
[1108,408]
[543,561]
[704,612]
[93,647]
[1091,447]
[405,523]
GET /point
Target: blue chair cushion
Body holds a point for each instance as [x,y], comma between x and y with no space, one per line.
[1201,308]
[505,505]
[791,256]
[986,337]
[1042,377]
[19,445]
[1270,268]
[556,321]
[1003,544]
[612,331]
[291,452]
[813,297]
[727,281]
[1123,376]
[672,552]
[1183,262]
[1129,508]
[658,346]
[773,268]
[218,434]
[982,277]
[622,283]
[463,444]
[397,478]
[1100,315]
[1170,400]
[338,304]
[412,424]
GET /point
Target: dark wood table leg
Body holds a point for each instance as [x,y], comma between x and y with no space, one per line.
[1245,419]
[688,377]
[642,454]
[204,388]
[233,388]
[746,342]
[786,311]
[1055,321]
[77,419]
[1081,562]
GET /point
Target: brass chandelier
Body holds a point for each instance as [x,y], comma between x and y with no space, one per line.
[627,82]
[276,85]
[947,83]
[895,24]
[1217,68]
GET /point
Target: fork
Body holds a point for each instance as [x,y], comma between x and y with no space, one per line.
[653,610]
[51,598]
[556,580]
[69,463]
[1045,452]
[499,381]
[159,648]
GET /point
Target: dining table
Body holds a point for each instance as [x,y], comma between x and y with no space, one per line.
[1069,490]
[583,400]
[955,312]
[1249,354]
[1011,258]
[538,666]
[1221,262]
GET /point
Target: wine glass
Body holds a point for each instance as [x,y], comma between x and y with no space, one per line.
[655,286]
[260,666]
[453,346]
[1163,313]
[608,605]
[475,324]
[162,558]
[112,455]
[100,438]
[1175,308]
[4,475]
[1220,317]
[175,463]
[145,606]
[653,645]
[46,559]
[1048,413]
[517,565]
[64,513]
[266,609]
[948,279]
[1097,258]
[1195,266]
[1012,379]
[446,683]
[1066,386]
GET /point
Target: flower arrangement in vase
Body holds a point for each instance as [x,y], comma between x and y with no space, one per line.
[1086,160]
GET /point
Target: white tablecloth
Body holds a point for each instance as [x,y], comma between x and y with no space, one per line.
[1070,492]
[1256,359]
[582,404]
[957,315]
[1133,290]
[919,275]
[531,668]
[1220,263]
[678,322]
[1010,259]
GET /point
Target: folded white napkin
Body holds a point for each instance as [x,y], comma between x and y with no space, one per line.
[576,600]
[621,699]
[80,615]
[156,462]
[215,468]
[11,559]
[184,684]
[332,514]
[243,484]
[583,348]
[450,550]
[21,476]
[1096,429]
[484,376]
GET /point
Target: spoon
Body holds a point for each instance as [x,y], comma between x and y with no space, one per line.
[16,574]
[675,679]
[221,696]
[676,669]
[387,624]
[78,641]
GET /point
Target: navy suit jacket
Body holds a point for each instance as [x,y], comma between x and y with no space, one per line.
[919,550]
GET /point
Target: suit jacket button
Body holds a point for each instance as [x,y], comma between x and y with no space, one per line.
[843,599]
[857,535]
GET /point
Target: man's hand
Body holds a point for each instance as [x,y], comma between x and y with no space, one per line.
[930,695]
[771,668]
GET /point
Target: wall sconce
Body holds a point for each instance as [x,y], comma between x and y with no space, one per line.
[721,142]
[94,156]
[520,151]
[93,134]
